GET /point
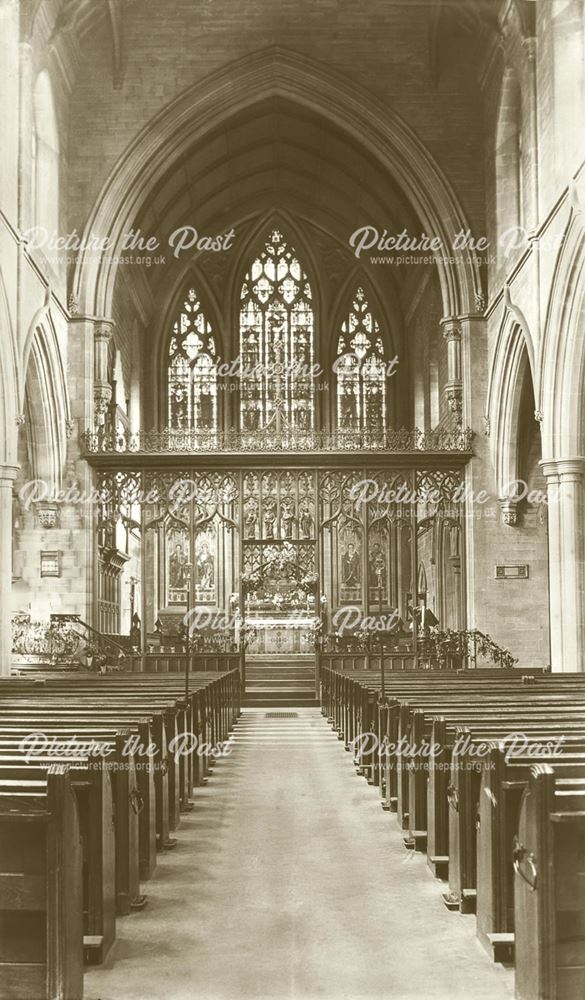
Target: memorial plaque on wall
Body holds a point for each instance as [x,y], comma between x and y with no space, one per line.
[518,572]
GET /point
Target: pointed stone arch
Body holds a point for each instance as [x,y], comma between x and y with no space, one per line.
[46,406]
[562,377]
[274,72]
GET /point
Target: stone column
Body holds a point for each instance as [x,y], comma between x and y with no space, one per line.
[102,388]
[26,206]
[7,477]
[565,482]
[529,45]
[454,386]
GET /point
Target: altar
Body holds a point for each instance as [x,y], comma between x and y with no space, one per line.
[286,633]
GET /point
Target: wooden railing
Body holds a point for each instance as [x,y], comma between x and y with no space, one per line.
[171,663]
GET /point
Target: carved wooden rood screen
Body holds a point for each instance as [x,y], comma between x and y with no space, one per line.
[276,560]
[272,517]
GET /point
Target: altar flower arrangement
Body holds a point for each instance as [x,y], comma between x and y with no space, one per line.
[247,633]
[315,633]
[251,580]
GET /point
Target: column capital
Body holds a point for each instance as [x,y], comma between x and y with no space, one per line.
[451,328]
[103,330]
[8,473]
[566,468]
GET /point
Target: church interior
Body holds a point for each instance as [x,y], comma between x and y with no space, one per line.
[292,463]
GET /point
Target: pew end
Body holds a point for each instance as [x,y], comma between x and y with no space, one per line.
[41,947]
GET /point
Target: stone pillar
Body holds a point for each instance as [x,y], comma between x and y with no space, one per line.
[101,385]
[454,386]
[7,477]
[26,206]
[531,147]
[565,483]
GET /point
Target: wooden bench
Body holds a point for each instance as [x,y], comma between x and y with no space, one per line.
[93,790]
[127,799]
[503,782]
[41,940]
[150,711]
[549,888]
[437,800]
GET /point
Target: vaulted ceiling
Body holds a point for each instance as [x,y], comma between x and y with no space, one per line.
[276,156]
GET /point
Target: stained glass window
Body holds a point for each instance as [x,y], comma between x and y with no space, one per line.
[276,341]
[192,370]
[361,370]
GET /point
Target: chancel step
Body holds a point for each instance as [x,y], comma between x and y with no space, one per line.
[283,681]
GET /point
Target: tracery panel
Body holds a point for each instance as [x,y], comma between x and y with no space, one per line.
[276,341]
[361,371]
[192,370]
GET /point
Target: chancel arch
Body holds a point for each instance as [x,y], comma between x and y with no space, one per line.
[302,82]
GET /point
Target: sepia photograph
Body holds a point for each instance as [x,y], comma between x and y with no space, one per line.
[292,500]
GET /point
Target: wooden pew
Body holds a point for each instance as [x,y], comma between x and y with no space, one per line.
[91,783]
[549,889]
[503,782]
[151,710]
[445,797]
[41,941]
[463,797]
[128,802]
[162,726]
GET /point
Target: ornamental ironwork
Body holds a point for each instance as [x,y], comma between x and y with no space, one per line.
[49,641]
[183,442]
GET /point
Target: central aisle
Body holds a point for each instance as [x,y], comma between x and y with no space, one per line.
[290,881]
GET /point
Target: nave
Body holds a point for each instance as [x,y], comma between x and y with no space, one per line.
[288,880]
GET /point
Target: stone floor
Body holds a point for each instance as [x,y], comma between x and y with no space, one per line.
[289,881]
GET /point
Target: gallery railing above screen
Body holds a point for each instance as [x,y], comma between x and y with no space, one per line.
[168,442]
